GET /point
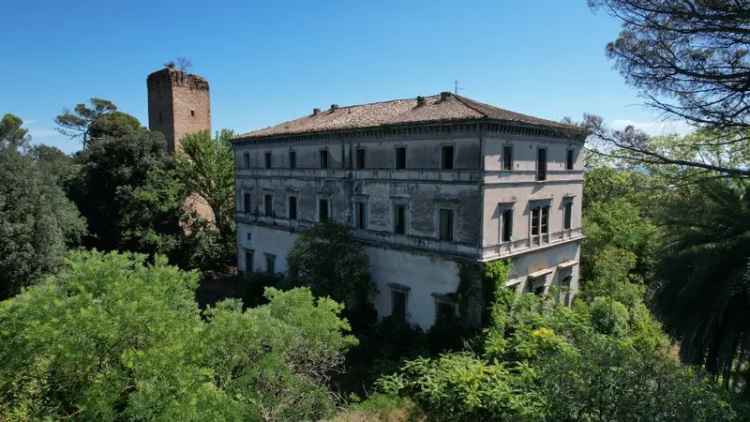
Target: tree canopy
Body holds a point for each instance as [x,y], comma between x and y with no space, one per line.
[690,61]
[111,338]
[12,135]
[327,259]
[37,221]
[97,120]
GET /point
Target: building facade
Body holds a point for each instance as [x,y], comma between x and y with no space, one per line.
[433,186]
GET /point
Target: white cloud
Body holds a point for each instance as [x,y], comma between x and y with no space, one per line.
[655,127]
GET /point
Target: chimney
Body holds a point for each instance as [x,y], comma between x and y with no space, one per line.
[444,95]
[420,101]
[316,111]
[334,107]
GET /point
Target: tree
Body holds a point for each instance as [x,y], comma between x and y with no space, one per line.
[37,222]
[112,171]
[327,259]
[539,360]
[206,168]
[12,135]
[111,338]
[690,60]
[99,120]
[703,291]
[55,163]
[622,239]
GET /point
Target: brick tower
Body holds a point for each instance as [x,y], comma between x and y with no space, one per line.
[178,105]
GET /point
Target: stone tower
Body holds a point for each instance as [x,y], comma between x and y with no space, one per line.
[178,105]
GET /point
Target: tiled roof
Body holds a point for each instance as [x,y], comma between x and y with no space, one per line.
[446,107]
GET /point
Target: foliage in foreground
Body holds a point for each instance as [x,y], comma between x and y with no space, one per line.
[542,361]
[110,338]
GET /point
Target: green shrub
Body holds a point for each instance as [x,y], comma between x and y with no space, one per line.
[609,316]
[111,338]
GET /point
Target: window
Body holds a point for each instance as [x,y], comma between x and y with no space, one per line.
[323,159]
[541,164]
[292,159]
[569,160]
[268,160]
[322,210]
[361,158]
[446,224]
[444,310]
[292,207]
[447,157]
[399,219]
[400,158]
[270,263]
[508,157]
[507,225]
[246,160]
[398,304]
[192,113]
[567,215]
[249,254]
[537,285]
[540,224]
[360,214]
[565,279]
[246,202]
[269,205]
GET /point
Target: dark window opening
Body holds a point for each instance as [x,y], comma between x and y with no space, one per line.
[400,158]
[246,202]
[508,157]
[249,261]
[569,160]
[246,159]
[507,225]
[541,164]
[361,215]
[323,159]
[446,311]
[192,113]
[568,215]
[361,158]
[270,263]
[446,225]
[447,157]
[268,160]
[269,205]
[292,160]
[323,210]
[398,304]
[399,217]
[292,207]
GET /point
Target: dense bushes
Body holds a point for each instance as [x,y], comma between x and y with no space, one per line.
[542,361]
[111,338]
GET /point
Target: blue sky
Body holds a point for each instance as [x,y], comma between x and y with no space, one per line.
[271,61]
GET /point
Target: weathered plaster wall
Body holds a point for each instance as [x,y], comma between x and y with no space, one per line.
[546,259]
[424,275]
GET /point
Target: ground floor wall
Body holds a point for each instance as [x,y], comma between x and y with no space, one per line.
[416,283]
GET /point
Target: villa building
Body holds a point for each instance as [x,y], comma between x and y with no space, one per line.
[431,185]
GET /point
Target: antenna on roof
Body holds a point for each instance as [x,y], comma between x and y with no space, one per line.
[455,87]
